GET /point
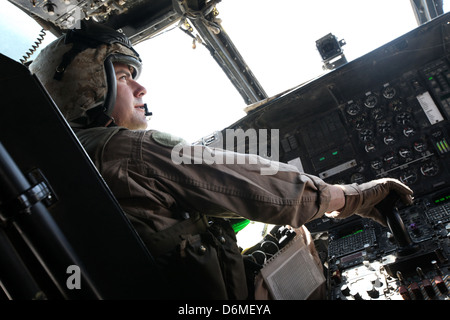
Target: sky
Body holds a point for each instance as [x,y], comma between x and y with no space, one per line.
[187,91]
[191,97]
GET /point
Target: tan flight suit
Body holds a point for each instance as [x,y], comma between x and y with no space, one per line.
[202,259]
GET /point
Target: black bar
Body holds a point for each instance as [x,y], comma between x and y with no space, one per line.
[40,232]
[16,279]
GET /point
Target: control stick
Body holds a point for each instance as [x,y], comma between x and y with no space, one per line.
[395,224]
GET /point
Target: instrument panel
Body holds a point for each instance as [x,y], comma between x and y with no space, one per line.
[394,129]
[386,114]
[399,132]
[399,128]
[365,262]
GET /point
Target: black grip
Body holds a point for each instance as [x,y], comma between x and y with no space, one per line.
[394,221]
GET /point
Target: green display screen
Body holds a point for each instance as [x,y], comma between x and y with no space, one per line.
[352,234]
[443,198]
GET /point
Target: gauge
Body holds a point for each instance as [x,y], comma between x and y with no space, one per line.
[353,109]
[389,140]
[384,126]
[377,113]
[366,135]
[420,146]
[405,153]
[389,92]
[376,164]
[409,177]
[409,132]
[404,118]
[396,105]
[429,169]
[357,178]
[359,122]
[370,147]
[371,101]
[390,159]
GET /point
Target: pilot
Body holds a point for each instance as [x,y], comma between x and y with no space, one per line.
[182,209]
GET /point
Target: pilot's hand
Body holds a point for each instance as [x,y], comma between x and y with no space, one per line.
[363,199]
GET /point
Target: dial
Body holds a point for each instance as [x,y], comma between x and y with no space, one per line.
[366,135]
[405,153]
[389,92]
[359,122]
[384,126]
[396,105]
[429,169]
[390,159]
[353,109]
[420,146]
[357,178]
[376,164]
[377,113]
[371,101]
[370,147]
[409,132]
[408,177]
[389,140]
[403,118]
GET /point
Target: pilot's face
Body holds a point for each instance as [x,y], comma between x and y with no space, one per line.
[129,109]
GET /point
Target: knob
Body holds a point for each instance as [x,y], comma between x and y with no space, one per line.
[375,281]
[345,290]
[336,277]
[356,295]
[372,291]
[415,229]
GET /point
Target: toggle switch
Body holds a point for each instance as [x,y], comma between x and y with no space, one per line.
[426,284]
[356,295]
[438,281]
[403,290]
[345,290]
